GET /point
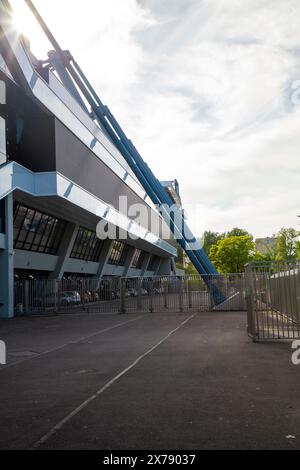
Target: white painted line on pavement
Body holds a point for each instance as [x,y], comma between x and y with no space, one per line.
[84,404]
[83,338]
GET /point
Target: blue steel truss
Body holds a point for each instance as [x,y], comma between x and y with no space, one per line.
[78,85]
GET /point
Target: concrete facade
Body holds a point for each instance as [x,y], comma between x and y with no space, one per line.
[59,177]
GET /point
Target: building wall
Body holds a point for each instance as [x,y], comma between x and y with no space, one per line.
[40,142]
[78,251]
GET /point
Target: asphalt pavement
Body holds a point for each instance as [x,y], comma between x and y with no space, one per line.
[149,381]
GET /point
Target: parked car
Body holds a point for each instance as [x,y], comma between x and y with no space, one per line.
[132,292]
[63,298]
[70,297]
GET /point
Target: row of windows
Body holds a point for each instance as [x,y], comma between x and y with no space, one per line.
[87,246]
[40,232]
[36,231]
[118,254]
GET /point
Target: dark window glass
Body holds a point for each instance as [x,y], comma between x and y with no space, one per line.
[118,254]
[86,246]
[138,259]
[135,258]
[152,262]
[35,231]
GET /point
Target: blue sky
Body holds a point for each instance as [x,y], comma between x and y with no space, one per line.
[203,88]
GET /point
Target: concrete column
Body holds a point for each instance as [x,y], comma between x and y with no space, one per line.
[104,257]
[157,266]
[7,263]
[128,261]
[173,266]
[65,250]
[145,263]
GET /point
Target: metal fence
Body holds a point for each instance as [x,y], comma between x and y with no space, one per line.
[133,294]
[273,300]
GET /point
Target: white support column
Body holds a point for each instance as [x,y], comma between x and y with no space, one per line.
[145,263]
[104,257]
[65,250]
[128,261]
[173,265]
[7,263]
[157,266]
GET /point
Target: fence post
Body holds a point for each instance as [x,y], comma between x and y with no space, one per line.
[180,294]
[250,301]
[139,299]
[83,290]
[189,292]
[211,304]
[151,294]
[122,295]
[55,292]
[26,297]
[165,289]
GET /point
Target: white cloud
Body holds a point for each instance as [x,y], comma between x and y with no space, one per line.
[203,89]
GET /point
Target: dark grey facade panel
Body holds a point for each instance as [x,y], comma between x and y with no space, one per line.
[75,161]
[40,142]
[30,130]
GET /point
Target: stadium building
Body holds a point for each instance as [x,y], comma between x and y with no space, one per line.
[60,174]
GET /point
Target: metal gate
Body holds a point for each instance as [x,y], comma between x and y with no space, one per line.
[130,294]
[273,300]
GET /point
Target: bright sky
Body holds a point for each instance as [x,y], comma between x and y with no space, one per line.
[204,89]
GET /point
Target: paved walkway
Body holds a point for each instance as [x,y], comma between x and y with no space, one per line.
[160,381]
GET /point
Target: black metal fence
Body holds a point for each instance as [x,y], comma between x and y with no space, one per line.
[133,294]
[269,292]
[273,300]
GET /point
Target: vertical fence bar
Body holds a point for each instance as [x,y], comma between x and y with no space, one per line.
[180,295]
[151,294]
[165,287]
[122,296]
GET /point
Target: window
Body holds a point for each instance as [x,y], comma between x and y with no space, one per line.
[86,246]
[152,263]
[36,231]
[138,259]
[118,254]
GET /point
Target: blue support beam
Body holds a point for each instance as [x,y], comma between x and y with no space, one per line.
[150,183]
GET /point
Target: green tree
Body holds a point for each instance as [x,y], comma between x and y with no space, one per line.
[210,238]
[232,253]
[270,255]
[237,232]
[288,246]
[191,270]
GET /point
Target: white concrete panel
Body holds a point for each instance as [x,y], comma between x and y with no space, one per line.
[31,260]
[14,176]
[79,266]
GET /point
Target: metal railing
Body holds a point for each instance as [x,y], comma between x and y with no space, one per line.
[273,300]
[130,294]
